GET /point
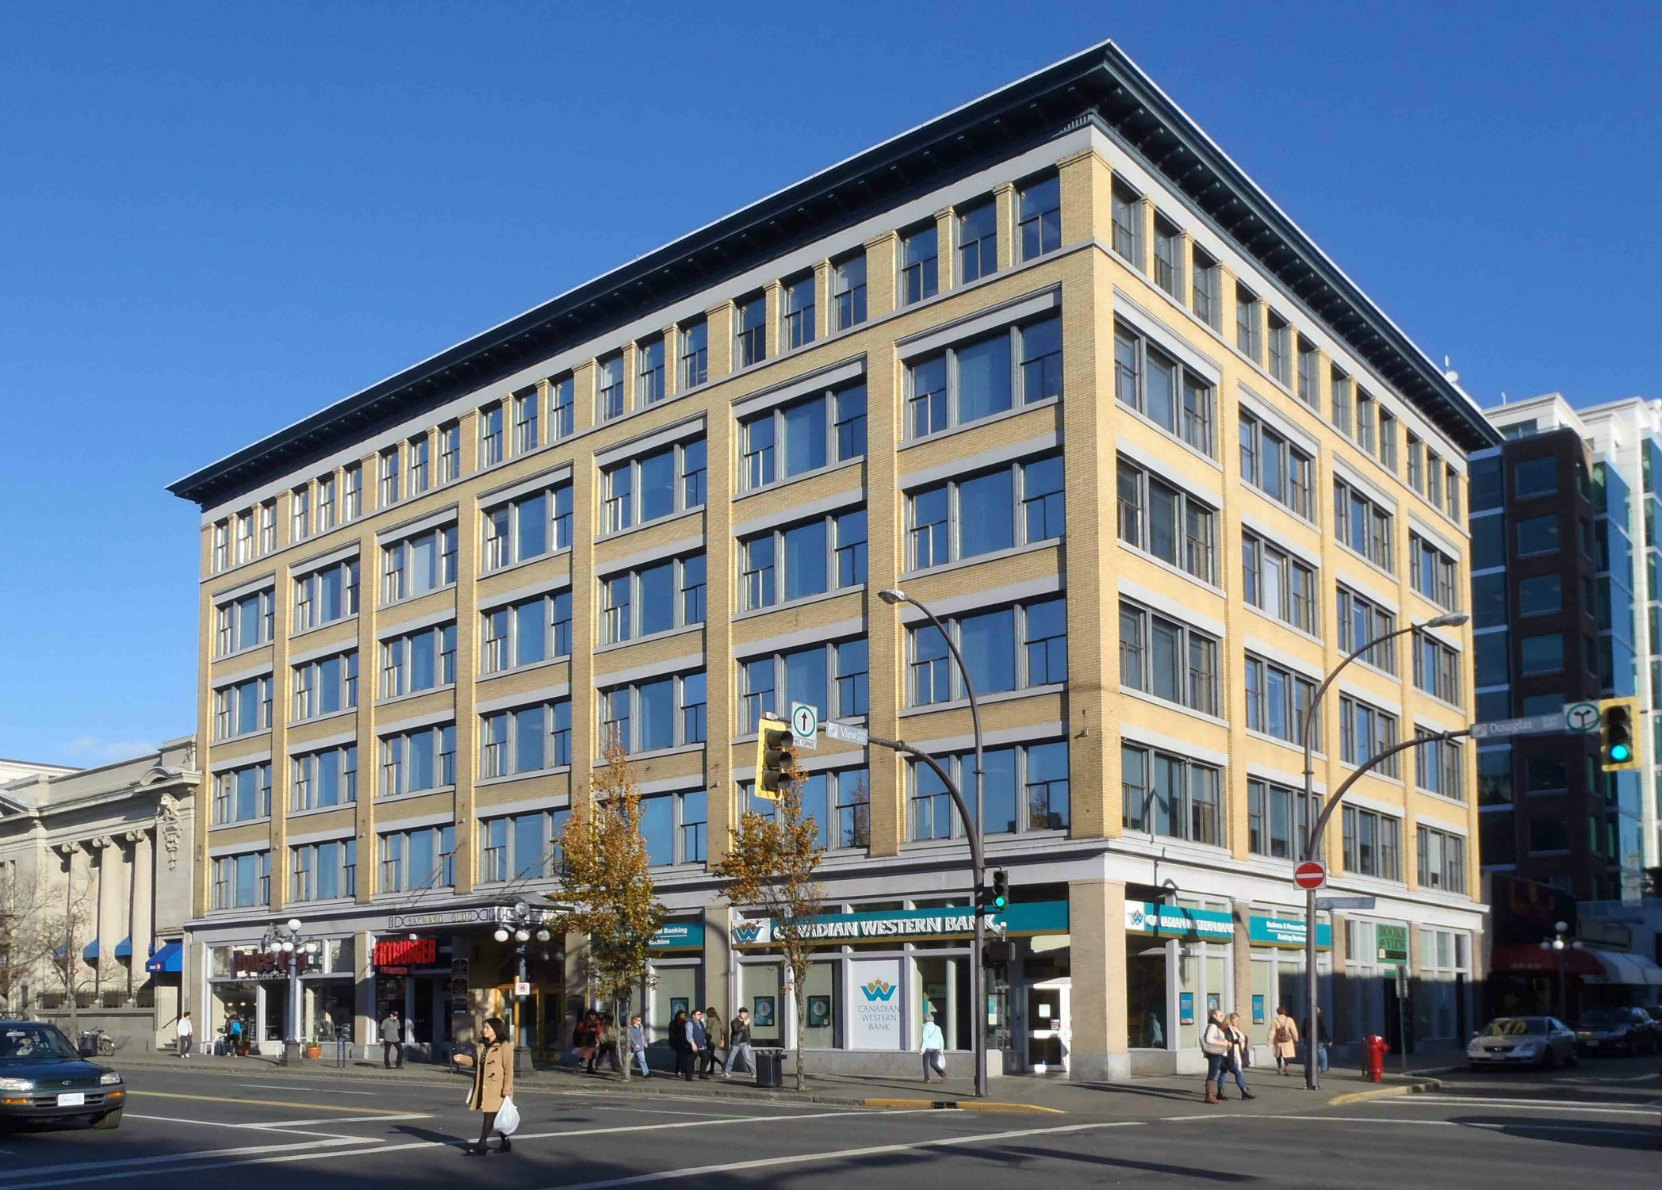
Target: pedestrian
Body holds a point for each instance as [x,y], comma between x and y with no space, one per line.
[712,1028]
[738,1044]
[605,1045]
[583,1041]
[186,1034]
[699,1034]
[637,1045]
[1214,1043]
[1316,1041]
[1283,1039]
[493,1082]
[933,1043]
[1240,1055]
[233,1031]
[680,1041]
[392,1041]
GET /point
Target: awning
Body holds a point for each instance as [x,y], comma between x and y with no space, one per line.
[1524,959]
[124,949]
[1629,970]
[169,960]
[90,954]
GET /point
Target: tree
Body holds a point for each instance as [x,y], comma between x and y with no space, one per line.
[770,870]
[43,926]
[607,882]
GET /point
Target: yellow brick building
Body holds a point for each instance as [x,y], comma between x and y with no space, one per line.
[1051,363]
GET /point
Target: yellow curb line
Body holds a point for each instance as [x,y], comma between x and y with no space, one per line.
[962,1105]
[1415,1088]
[352,1108]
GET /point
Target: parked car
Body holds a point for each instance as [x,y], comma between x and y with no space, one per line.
[1542,1041]
[1647,1030]
[44,1081]
[1609,1031]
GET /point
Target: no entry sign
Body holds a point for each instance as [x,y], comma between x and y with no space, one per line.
[1310,875]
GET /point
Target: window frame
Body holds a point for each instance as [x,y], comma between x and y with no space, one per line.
[397,654]
[952,535]
[1254,549]
[397,563]
[682,737]
[1045,222]
[1188,810]
[1187,549]
[918,278]
[500,750]
[500,524]
[309,587]
[950,402]
[750,586]
[763,466]
[306,686]
[508,644]
[1195,427]
[1203,700]
[1021,642]
[636,607]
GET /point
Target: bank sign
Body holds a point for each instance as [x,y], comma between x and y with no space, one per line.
[954,921]
[1174,921]
[1287,931]
[875,1022]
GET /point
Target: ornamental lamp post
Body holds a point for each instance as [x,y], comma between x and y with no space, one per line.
[1561,945]
[289,950]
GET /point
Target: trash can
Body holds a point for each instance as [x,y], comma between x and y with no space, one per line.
[770,1068]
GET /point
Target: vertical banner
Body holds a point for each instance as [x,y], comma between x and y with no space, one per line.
[875,1023]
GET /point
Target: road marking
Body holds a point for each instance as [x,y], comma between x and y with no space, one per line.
[264,1102]
[1485,1126]
[1523,1105]
[131,1115]
[281,1087]
[126,1163]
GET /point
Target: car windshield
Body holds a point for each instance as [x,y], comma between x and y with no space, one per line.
[32,1043]
[1515,1026]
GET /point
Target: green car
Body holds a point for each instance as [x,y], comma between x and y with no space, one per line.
[44,1081]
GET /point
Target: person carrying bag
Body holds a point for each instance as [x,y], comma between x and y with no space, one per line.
[493,1088]
[1283,1040]
[1215,1044]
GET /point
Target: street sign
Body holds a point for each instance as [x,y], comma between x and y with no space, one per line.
[805,725]
[1528,725]
[1582,717]
[522,989]
[1309,875]
[1332,903]
[848,733]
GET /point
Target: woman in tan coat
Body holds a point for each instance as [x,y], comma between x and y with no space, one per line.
[1283,1040]
[493,1081]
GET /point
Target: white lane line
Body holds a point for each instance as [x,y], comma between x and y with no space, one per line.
[1527,1126]
[1518,1105]
[282,1087]
[126,1163]
[216,1124]
[338,1120]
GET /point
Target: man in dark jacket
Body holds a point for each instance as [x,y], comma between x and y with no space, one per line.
[680,1042]
[700,1038]
[392,1041]
[738,1043]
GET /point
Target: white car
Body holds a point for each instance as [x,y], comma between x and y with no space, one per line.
[1542,1041]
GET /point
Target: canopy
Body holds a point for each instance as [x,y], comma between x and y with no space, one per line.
[169,960]
[1522,958]
[90,954]
[1629,970]
[124,949]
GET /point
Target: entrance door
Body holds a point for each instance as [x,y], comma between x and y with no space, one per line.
[1049,1025]
[530,1032]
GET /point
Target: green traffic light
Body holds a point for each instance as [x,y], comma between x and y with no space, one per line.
[1621,753]
[1000,902]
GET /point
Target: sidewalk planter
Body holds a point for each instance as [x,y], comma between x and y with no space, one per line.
[314,1051]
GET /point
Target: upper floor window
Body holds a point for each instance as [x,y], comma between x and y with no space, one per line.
[324,871]
[1281,349]
[419,564]
[528,526]
[977,226]
[750,331]
[1008,648]
[1166,521]
[524,633]
[326,510]
[834,678]
[1204,289]
[242,881]
[527,420]
[420,473]
[608,382]
[1278,700]
[794,439]
[1278,584]
[325,595]
[838,801]
[1416,464]
[300,513]
[1364,733]
[1363,525]
[1442,860]
[391,485]
[422,659]
[1438,768]
[1373,843]
[1452,485]
[674,827]
[810,558]
[655,713]
[1168,659]
[1168,393]
[1309,367]
[418,760]
[796,311]
[352,491]
[662,483]
[919,266]
[848,291]
[245,536]
[529,739]
[1433,477]
[1039,217]
[562,407]
[242,794]
[244,623]
[695,353]
[1026,789]
[1433,572]
[222,546]
[1127,214]
[268,527]
[1168,256]
[1367,422]
[492,447]
[325,778]
[980,377]
[521,846]
[1360,621]
[1342,403]
[1247,315]
[649,373]
[242,708]
[450,452]
[1278,820]
[1387,452]
[325,685]
[417,859]
[1013,505]
[650,599]
[1166,794]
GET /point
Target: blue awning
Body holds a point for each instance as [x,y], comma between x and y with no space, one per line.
[60,952]
[90,954]
[169,960]
[124,949]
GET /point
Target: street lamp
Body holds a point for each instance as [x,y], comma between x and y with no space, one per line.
[520,926]
[893,596]
[1561,945]
[1313,838]
[289,949]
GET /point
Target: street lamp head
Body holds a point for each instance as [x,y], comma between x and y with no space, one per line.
[1558,944]
[288,947]
[892,596]
[294,925]
[1562,927]
[522,935]
[501,933]
[543,935]
[1576,945]
[1546,945]
[1451,620]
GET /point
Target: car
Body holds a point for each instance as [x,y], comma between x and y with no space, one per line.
[1542,1041]
[44,1081]
[1647,1033]
[1609,1031]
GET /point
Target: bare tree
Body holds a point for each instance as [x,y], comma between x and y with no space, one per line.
[42,928]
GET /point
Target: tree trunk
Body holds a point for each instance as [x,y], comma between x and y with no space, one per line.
[620,1013]
[799,996]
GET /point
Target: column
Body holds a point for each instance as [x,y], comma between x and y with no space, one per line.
[1009,214]
[946,263]
[363,986]
[141,909]
[719,969]
[1241,961]
[882,255]
[258,1033]
[1096,925]
[111,920]
[822,300]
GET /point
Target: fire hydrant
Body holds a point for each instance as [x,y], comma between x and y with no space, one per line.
[1374,1051]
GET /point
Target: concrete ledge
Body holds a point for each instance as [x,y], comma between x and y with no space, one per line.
[1416,1087]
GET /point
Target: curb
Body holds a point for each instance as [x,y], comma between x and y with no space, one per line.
[960,1105]
[1417,1087]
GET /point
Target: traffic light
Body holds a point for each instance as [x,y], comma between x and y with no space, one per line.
[1618,734]
[992,899]
[775,757]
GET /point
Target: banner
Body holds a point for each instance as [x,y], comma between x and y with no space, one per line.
[875,1023]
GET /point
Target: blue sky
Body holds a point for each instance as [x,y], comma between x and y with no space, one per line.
[219,218]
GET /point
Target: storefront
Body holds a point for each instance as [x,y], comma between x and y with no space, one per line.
[678,984]
[251,986]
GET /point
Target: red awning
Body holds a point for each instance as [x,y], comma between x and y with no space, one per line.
[1523,959]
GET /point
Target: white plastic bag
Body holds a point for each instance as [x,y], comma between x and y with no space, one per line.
[507,1118]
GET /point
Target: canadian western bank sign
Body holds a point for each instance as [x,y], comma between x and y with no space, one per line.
[1212,925]
[953,921]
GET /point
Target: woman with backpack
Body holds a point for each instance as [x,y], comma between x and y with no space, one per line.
[1283,1040]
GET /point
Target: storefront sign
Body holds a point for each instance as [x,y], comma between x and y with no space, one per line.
[1286,931]
[448,917]
[1391,943]
[260,964]
[1185,1008]
[876,1023]
[406,952]
[679,935]
[1173,921]
[1021,918]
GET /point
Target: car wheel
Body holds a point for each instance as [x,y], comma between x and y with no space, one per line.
[108,1120]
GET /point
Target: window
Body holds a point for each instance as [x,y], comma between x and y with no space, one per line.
[418,859]
[1166,521]
[1533,478]
[1360,621]
[1367,418]
[984,376]
[418,565]
[655,713]
[1168,659]
[1416,464]
[649,371]
[524,633]
[750,328]
[1127,213]
[1168,795]
[838,801]
[1277,468]
[1039,217]
[1452,506]
[660,597]
[1204,287]
[1373,844]
[1364,732]
[424,659]
[1008,648]
[1247,316]
[1541,654]
[325,503]
[1537,596]
[1281,349]
[1342,403]
[1436,668]
[1309,364]
[1015,505]
[391,486]
[529,739]
[420,473]
[527,420]
[665,482]
[450,452]
[222,546]
[608,388]
[674,826]
[1278,701]
[1026,789]
[1278,584]
[242,881]
[244,623]
[695,353]
[1161,389]
[1278,820]
[491,446]
[848,291]
[300,513]
[528,526]
[1433,572]
[326,595]
[243,708]
[791,440]
[352,491]
[245,537]
[1387,453]
[325,778]
[325,686]
[242,794]
[1168,256]
[977,228]
[919,277]
[418,760]
[810,558]
[323,871]
[268,527]
[834,678]
[1438,768]
[521,846]
[1363,525]
[1442,860]
[1433,478]
[562,407]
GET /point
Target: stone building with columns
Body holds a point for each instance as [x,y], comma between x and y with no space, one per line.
[95,867]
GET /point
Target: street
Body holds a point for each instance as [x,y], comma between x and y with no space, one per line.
[1593,1126]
